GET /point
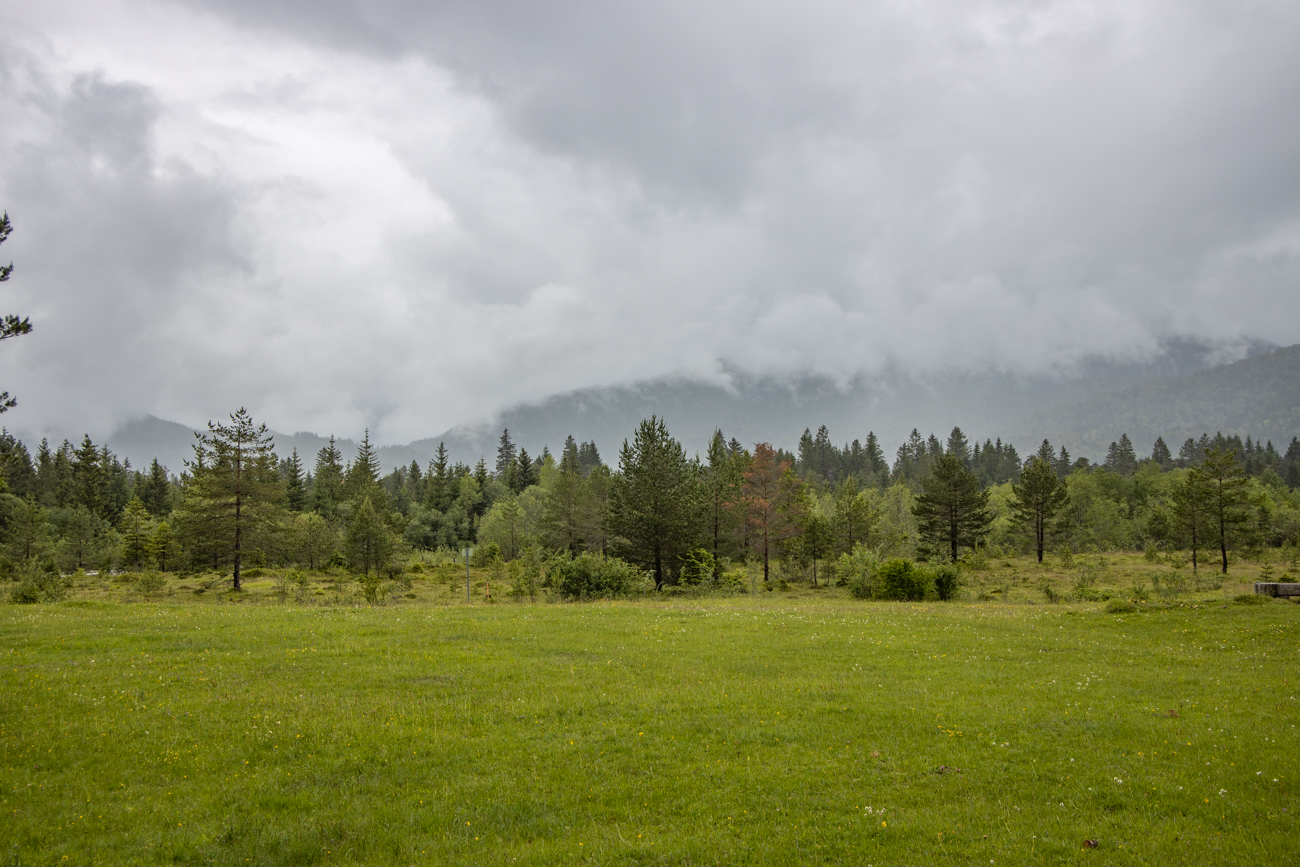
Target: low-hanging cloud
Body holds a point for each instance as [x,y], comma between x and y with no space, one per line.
[409,215]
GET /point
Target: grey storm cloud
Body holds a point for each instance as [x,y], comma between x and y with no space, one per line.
[408,215]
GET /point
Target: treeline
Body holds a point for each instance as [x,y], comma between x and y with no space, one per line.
[682,519]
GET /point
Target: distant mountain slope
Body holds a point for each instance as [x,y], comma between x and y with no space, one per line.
[1259,396]
[171,443]
[1085,412]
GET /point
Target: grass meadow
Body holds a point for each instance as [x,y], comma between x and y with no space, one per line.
[777,728]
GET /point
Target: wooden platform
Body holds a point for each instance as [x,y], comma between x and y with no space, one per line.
[1271,588]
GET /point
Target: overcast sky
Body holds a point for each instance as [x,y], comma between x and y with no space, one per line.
[409,214]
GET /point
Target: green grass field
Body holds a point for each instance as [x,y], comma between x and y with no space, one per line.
[785,728]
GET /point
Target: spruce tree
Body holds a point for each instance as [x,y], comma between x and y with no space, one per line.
[88,479]
[655,503]
[722,483]
[295,489]
[1121,458]
[1040,496]
[957,445]
[952,512]
[369,543]
[588,457]
[569,460]
[164,547]
[505,457]
[362,479]
[874,455]
[234,490]
[1161,455]
[155,490]
[525,472]
[327,479]
[135,533]
[1063,467]
[437,490]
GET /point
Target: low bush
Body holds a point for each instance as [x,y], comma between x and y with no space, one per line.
[901,579]
[591,576]
[1120,606]
[151,582]
[946,581]
[38,586]
[858,572]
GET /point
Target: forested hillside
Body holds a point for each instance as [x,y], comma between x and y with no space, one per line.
[1258,396]
[824,509]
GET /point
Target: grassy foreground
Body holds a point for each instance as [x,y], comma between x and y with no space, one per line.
[765,730]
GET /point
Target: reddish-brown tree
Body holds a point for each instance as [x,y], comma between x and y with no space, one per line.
[772,497]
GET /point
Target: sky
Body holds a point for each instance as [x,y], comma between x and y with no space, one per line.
[403,215]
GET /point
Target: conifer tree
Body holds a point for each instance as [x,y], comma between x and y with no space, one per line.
[564,513]
[874,455]
[295,489]
[722,482]
[438,494]
[362,479]
[771,517]
[1040,496]
[958,445]
[234,490]
[1161,455]
[1063,464]
[1121,458]
[854,516]
[1191,500]
[654,504]
[569,460]
[135,533]
[1227,496]
[525,472]
[88,478]
[505,458]
[327,479]
[369,543]
[817,539]
[28,531]
[588,457]
[952,511]
[164,547]
[155,489]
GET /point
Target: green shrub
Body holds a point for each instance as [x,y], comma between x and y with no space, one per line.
[1120,606]
[946,581]
[255,572]
[373,588]
[38,586]
[485,554]
[858,572]
[590,576]
[901,579]
[698,567]
[151,582]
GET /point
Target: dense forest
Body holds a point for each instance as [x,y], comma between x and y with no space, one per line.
[797,515]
